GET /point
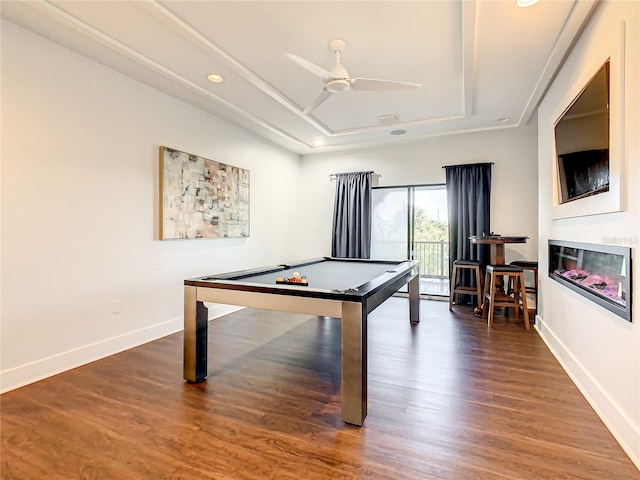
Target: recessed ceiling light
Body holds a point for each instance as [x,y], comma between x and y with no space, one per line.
[215,78]
[318,142]
[398,132]
[526,3]
[504,119]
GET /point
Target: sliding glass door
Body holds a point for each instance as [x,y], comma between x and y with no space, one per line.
[411,222]
[389,224]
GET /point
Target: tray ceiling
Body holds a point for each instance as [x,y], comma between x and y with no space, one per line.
[482,64]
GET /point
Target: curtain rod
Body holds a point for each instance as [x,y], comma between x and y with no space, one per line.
[468,164]
[333,175]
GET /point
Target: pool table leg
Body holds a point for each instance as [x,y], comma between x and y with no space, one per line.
[414,299]
[196,329]
[354,363]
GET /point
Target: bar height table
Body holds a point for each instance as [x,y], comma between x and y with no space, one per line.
[497,244]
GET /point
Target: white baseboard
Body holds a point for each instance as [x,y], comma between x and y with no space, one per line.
[616,420]
[22,375]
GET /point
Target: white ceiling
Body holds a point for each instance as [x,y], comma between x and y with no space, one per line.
[478,61]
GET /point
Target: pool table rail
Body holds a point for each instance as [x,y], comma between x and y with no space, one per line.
[240,280]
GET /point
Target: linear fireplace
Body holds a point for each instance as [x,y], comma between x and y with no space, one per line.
[601,273]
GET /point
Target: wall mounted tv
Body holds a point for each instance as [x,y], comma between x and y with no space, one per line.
[582,141]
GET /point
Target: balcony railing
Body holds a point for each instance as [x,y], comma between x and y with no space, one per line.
[433,256]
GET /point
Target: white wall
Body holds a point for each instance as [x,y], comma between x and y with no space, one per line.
[80,208]
[513,190]
[600,350]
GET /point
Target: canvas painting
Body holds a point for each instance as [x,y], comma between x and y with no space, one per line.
[202,198]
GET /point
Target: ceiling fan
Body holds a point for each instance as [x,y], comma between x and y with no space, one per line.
[337,79]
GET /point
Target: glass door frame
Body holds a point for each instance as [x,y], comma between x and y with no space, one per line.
[433,283]
[411,200]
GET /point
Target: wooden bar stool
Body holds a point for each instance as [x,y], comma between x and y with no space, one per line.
[494,295]
[531,289]
[459,266]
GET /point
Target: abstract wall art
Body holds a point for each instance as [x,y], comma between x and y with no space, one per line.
[201,198]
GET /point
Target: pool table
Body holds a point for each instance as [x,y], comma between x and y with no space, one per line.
[348,289]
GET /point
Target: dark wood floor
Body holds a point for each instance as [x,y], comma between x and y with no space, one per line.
[448,399]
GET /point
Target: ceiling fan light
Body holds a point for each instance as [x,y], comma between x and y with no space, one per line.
[338,85]
[215,78]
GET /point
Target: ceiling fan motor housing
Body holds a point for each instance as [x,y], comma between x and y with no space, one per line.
[338,85]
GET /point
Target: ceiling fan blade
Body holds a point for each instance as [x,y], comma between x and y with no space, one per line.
[311,67]
[372,84]
[324,94]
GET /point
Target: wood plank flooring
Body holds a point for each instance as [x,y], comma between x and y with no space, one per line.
[448,399]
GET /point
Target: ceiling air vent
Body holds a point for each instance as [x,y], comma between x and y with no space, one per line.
[387,119]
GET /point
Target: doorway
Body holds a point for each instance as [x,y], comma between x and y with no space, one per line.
[412,222]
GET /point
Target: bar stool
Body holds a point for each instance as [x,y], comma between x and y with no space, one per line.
[494,295]
[532,289]
[457,289]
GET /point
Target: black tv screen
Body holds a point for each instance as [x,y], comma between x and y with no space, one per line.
[582,141]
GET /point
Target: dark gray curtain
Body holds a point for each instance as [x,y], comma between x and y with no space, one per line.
[468,201]
[352,216]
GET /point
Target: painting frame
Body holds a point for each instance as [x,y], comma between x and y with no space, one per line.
[202,198]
